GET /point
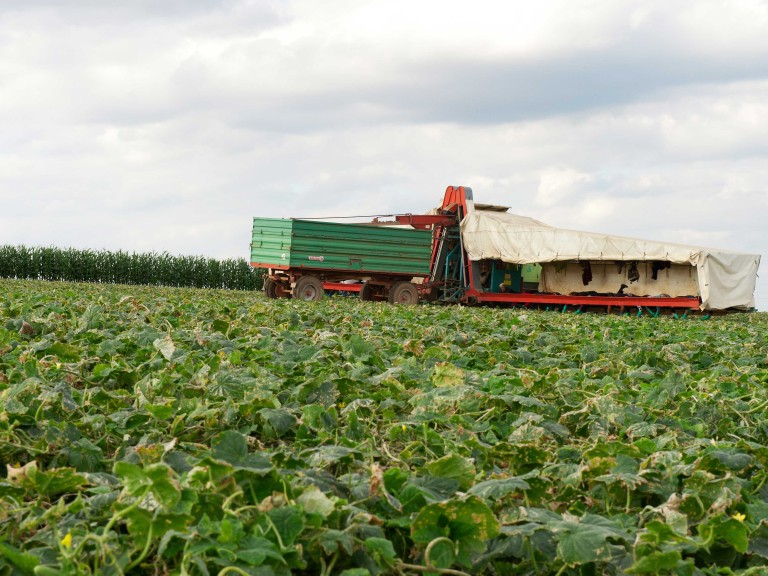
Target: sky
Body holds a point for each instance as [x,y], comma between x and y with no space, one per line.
[165,126]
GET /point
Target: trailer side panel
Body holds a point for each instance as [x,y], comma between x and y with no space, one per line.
[319,245]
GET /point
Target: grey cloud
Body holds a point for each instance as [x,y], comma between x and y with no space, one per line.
[467,91]
[484,92]
[314,85]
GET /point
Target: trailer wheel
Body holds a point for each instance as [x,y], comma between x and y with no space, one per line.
[404,293]
[366,292]
[308,288]
[282,290]
[270,288]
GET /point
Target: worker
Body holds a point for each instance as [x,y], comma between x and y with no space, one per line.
[485,274]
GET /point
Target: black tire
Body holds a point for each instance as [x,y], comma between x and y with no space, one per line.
[432,294]
[270,288]
[366,293]
[308,288]
[404,293]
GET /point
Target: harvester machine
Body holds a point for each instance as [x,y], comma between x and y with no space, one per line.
[480,254]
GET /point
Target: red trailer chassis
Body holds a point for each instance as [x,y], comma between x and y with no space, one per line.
[313,283]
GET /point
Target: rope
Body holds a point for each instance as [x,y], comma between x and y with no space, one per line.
[342,217]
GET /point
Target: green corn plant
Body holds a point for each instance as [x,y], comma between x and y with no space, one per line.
[120,267]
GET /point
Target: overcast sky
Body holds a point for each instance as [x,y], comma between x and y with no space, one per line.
[165,125]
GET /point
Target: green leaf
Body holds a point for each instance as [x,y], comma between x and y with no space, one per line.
[220,326]
[318,417]
[232,447]
[583,540]
[93,317]
[625,472]
[159,411]
[672,533]
[580,547]
[358,349]
[326,455]
[133,476]
[381,549]
[656,563]
[165,346]
[47,483]
[431,487]
[758,541]
[446,374]
[470,523]
[289,523]
[65,352]
[731,460]
[454,467]
[164,485]
[255,551]
[313,500]
[332,540]
[513,399]
[281,421]
[158,478]
[142,522]
[734,533]
[85,456]
[499,488]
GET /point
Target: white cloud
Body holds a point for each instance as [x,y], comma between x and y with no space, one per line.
[557,185]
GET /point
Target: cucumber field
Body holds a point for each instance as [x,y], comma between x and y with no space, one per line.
[152,430]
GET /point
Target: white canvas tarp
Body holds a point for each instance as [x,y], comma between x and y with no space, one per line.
[725,279]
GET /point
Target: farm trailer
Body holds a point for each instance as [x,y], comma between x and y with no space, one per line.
[304,258]
[481,254]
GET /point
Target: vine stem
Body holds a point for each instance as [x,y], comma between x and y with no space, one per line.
[145,551]
[532,552]
[329,568]
[102,538]
[231,498]
[31,449]
[235,569]
[432,569]
[433,543]
[277,533]
[389,454]
[429,567]
[124,512]
[757,408]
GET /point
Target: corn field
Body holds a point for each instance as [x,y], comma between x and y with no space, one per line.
[102,266]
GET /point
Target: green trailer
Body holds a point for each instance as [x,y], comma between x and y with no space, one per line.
[304,258]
